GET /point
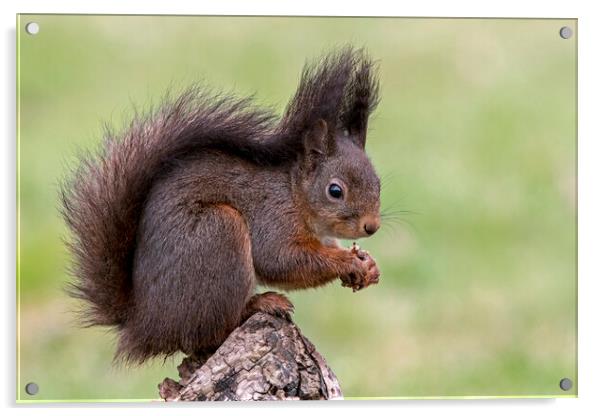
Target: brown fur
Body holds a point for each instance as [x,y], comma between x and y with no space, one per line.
[176,220]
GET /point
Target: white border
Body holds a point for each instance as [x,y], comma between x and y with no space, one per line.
[590,201]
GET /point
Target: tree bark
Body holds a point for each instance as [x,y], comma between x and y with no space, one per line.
[266,358]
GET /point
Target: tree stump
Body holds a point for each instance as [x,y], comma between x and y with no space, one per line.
[266,358]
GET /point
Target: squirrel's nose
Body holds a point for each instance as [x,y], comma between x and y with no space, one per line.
[371,226]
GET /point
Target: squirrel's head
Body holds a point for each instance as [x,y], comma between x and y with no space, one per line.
[338,184]
[329,115]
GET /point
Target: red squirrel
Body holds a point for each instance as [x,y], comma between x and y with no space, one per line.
[176,220]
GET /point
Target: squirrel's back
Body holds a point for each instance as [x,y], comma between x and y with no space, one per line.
[104,199]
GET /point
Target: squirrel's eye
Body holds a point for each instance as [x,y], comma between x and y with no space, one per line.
[335,191]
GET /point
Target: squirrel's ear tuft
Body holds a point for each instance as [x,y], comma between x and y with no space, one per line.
[320,94]
[361,98]
[318,142]
[339,89]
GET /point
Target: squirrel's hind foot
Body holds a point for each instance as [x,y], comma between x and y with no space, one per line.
[269,302]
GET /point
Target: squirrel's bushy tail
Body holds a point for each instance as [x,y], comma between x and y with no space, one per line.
[103,201]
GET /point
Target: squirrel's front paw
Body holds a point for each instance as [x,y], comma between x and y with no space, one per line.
[365,272]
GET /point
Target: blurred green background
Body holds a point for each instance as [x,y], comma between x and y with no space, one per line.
[475,136]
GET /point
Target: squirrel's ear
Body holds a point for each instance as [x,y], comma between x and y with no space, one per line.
[318,142]
[361,100]
[357,137]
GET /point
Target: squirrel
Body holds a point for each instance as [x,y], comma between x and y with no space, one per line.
[176,220]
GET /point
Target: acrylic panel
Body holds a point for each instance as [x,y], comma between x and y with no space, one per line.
[473,136]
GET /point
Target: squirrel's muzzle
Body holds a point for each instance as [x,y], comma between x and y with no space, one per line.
[371,225]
